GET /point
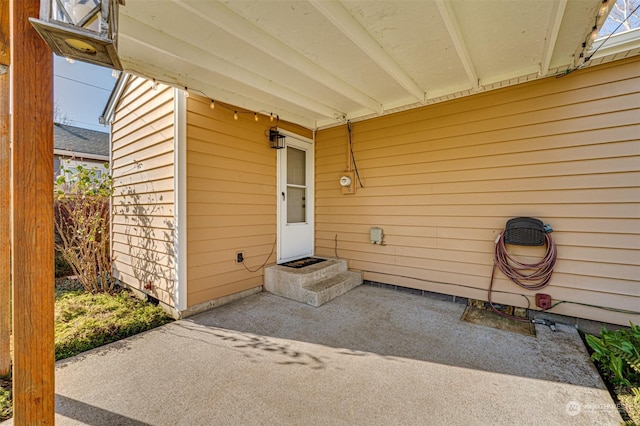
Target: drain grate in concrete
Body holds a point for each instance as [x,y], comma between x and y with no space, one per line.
[301,263]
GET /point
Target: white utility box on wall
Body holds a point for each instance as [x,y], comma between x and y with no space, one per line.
[376,235]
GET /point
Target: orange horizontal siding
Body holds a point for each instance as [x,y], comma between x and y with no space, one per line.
[143,201]
[442,181]
[231,200]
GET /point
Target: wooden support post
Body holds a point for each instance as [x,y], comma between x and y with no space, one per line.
[32,221]
[5,195]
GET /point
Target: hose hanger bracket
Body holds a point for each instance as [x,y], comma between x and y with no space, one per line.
[524,231]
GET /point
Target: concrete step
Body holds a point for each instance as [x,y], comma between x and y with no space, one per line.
[314,284]
[306,275]
[328,289]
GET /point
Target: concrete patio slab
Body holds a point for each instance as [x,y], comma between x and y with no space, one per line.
[373,356]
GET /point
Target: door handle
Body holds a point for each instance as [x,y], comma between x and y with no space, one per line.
[283,197]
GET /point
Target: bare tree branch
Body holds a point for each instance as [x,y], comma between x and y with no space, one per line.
[623,13]
[58,116]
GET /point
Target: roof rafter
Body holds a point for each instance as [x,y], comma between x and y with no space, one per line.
[220,94]
[451,23]
[251,104]
[234,24]
[555,21]
[183,51]
[345,22]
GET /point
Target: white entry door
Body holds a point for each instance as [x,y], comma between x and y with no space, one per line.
[295,199]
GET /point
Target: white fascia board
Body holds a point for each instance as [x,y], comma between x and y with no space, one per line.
[110,108]
[617,43]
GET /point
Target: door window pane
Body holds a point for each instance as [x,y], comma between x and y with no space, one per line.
[296,205]
[296,166]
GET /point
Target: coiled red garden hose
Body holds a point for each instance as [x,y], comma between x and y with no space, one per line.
[530,276]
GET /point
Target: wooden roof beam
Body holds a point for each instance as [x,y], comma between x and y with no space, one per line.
[555,21]
[190,54]
[222,17]
[451,23]
[342,19]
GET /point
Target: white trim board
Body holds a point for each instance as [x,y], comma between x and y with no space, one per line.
[180,188]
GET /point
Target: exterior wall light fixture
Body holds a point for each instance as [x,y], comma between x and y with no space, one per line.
[276,139]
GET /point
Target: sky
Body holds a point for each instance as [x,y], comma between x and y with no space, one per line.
[81,91]
[624,10]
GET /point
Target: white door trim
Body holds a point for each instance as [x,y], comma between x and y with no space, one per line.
[311,195]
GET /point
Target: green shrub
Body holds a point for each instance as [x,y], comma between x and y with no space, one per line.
[63,269]
[82,214]
[5,404]
[618,352]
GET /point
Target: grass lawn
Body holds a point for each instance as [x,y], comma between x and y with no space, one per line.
[5,399]
[85,321]
[631,404]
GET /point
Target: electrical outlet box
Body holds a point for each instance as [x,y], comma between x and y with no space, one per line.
[239,257]
[543,301]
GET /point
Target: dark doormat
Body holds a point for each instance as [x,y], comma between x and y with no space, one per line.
[489,318]
[301,263]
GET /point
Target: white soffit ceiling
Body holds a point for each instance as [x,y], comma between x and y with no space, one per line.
[320,62]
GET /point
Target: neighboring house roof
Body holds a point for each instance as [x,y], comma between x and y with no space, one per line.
[79,142]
